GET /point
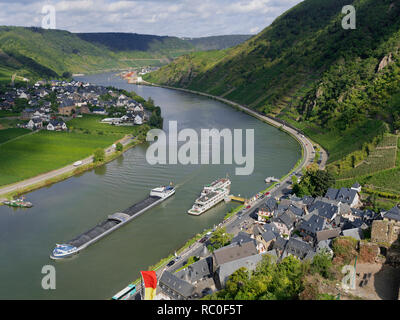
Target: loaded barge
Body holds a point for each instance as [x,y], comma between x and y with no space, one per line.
[112,223]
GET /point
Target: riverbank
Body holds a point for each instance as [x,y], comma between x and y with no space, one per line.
[49,178]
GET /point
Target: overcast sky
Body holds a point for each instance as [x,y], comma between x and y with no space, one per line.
[182,18]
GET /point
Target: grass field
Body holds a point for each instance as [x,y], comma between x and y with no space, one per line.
[4,114]
[44,151]
[11,133]
[91,124]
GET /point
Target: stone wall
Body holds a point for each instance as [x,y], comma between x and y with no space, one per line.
[384,232]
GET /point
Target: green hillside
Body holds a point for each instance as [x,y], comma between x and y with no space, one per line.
[341,87]
[36,52]
[40,52]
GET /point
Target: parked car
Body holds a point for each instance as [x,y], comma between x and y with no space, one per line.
[77,163]
[202,240]
[170,263]
[248,207]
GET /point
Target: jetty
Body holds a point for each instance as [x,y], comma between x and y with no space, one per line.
[271,179]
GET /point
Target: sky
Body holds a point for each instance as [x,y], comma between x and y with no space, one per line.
[181,18]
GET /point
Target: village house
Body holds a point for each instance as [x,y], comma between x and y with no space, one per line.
[56,125]
[100,111]
[67,107]
[345,195]
[311,224]
[298,248]
[35,124]
[196,272]
[174,287]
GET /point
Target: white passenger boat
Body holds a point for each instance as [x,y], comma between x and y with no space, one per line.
[211,195]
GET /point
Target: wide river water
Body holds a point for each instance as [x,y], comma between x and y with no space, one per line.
[66,209]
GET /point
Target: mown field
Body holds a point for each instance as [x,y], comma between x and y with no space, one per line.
[44,151]
[91,124]
[11,133]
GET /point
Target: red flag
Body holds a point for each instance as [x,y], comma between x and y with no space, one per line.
[150,284]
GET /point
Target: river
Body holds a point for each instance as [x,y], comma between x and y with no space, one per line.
[68,208]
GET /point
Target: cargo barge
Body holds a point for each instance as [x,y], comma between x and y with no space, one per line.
[112,223]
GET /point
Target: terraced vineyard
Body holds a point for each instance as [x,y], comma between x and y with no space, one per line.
[382,158]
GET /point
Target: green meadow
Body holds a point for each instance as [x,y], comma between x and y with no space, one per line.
[92,124]
[12,133]
[45,151]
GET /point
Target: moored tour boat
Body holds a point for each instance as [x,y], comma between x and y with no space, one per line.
[18,203]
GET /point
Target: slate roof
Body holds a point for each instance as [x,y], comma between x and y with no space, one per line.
[308,200]
[328,234]
[323,209]
[286,218]
[280,243]
[393,214]
[196,271]
[268,236]
[297,211]
[234,252]
[354,233]
[298,248]
[270,227]
[55,122]
[346,195]
[226,269]
[313,224]
[271,204]
[242,237]
[331,194]
[170,284]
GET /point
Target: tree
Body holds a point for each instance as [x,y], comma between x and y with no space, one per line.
[314,182]
[99,155]
[322,264]
[67,74]
[220,238]
[119,147]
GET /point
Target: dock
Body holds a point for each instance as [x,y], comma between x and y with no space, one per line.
[238,199]
[271,179]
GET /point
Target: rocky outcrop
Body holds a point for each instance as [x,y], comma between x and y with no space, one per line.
[384,232]
[385,62]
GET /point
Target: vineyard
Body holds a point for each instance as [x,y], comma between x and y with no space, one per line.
[383,157]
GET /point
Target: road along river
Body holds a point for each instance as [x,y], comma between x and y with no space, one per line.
[66,209]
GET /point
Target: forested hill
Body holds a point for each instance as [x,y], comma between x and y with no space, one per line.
[115,41]
[218,42]
[35,52]
[339,86]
